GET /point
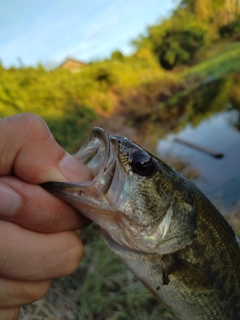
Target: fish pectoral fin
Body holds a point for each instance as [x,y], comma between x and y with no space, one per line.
[177,229]
[190,275]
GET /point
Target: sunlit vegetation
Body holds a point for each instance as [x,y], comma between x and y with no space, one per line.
[184,68]
[198,43]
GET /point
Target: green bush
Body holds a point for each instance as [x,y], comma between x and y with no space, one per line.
[72,130]
[179,47]
[231,29]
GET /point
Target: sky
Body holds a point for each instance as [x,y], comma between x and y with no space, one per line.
[49,31]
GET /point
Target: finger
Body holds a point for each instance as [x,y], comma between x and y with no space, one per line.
[16,293]
[31,256]
[9,313]
[35,208]
[29,150]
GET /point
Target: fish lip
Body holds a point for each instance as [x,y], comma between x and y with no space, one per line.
[102,135]
[95,152]
[99,153]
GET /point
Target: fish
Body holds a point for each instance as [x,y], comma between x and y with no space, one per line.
[160,225]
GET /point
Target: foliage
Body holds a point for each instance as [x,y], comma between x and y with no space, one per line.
[176,40]
[214,67]
[71,130]
[70,102]
[117,55]
[179,46]
[193,26]
[202,8]
[231,29]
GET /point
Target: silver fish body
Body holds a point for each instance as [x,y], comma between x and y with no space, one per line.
[164,229]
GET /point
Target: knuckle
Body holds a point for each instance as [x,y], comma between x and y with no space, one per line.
[38,129]
[34,126]
[6,258]
[33,292]
[9,313]
[20,132]
[73,253]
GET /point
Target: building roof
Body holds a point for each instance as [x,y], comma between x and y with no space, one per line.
[72,65]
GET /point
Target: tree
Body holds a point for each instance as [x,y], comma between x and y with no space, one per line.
[203,9]
[177,40]
[117,55]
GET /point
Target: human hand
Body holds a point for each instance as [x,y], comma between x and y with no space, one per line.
[37,241]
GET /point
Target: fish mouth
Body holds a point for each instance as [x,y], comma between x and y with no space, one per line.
[99,154]
[94,153]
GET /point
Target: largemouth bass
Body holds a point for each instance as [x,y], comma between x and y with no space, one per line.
[163,228]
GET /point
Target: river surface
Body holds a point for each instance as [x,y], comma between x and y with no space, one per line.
[218,179]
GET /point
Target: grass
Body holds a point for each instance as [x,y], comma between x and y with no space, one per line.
[206,72]
[215,67]
[101,289]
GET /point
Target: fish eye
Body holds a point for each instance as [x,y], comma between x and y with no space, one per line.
[142,164]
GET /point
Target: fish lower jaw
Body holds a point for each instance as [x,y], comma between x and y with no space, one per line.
[129,239]
[118,247]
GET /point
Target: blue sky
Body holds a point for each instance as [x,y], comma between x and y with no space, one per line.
[48,31]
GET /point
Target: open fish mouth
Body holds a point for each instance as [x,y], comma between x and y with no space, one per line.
[98,153]
[94,153]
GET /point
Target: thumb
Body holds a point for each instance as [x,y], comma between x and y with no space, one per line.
[29,151]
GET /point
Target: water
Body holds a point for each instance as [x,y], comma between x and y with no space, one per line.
[218,179]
